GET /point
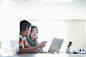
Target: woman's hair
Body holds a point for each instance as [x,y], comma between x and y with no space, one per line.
[33,28]
[69,43]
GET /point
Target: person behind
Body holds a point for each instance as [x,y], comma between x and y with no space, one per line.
[24,47]
[69,48]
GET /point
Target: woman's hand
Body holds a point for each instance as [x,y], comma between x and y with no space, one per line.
[36,38]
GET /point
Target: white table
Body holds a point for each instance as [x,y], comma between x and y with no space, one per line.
[47,55]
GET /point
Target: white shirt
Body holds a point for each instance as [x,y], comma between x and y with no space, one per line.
[69,50]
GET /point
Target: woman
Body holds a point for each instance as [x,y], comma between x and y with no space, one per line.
[33,39]
[69,48]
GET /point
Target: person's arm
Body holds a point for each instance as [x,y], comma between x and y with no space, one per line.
[28,46]
[30,49]
[27,50]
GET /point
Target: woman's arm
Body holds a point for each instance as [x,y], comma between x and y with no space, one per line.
[28,50]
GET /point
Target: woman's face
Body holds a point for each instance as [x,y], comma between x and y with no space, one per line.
[71,45]
[34,33]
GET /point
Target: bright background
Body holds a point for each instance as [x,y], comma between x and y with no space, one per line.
[64,20]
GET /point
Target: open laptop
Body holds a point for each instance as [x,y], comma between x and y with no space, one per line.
[55,45]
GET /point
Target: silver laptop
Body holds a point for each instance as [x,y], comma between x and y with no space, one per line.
[55,45]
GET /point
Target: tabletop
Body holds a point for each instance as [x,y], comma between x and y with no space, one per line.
[47,55]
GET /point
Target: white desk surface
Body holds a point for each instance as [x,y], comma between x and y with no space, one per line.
[47,55]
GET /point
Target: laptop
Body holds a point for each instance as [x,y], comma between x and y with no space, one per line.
[55,45]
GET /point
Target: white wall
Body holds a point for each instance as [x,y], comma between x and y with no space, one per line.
[75,32]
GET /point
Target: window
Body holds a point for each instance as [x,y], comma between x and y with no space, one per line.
[50,29]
